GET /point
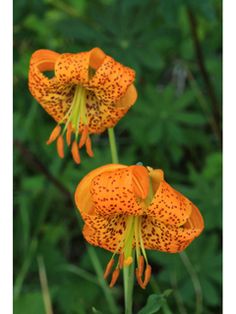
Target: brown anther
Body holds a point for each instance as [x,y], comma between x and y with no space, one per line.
[55,133]
[108,268]
[68,134]
[114,277]
[139,279]
[84,136]
[60,146]
[141,265]
[75,152]
[121,260]
[147,275]
[88,145]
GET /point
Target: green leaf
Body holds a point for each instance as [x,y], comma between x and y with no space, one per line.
[154,303]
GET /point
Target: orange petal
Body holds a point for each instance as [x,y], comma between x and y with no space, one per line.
[52,95]
[129,98]
[97,57]
[75,152]
[111,81]
[53,136]
[104,232]
[112,193]
[166,238]
[170,206]
[83,197]
[60,146]
[101,116]
[73,68]
[141,181]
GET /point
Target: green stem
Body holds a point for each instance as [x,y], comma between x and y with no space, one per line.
[128,272]
[112,140]
[103,284]
[128,275]
[24,269]
[44,286]
[195,280]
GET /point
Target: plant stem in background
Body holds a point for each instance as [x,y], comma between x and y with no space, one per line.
[44,286]
[128,272]
[24,269]
[195,280]
[103,284]
[113,148]
[201,63]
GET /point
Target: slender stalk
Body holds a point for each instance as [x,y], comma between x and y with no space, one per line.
[195,280]
[44,286]
[24,269]
[128,272]
[112,140]
[128,275]
[107,292]
[177,296]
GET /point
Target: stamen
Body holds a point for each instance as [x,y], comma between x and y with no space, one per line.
[108,268]
[147,275]
[55,133]
[141,265]
[114,278]
[139,279]
[84,136]
[68,134]
[121,260]
[88,145]
[60,146]
[75,152]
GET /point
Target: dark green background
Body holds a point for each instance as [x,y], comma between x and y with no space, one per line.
[175,48]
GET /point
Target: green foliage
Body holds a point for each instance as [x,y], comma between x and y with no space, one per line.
[173,126]
[154,303]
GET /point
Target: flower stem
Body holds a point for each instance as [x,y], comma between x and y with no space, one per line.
[195,280]
[128,275]
[112,140]
[128,272]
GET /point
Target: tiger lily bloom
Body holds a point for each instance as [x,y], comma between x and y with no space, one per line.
[88,93]
[131,209]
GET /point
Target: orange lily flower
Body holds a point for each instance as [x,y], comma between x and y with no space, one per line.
[88,93]
[132,208]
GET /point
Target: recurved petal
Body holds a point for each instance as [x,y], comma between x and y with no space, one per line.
[82,195]
[101,116]
[73,68]
[105,232]
[167,238]
[113,192]
[111,81]
[53,96]
[168,205]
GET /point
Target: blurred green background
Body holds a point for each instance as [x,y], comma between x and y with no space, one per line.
[175,48]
